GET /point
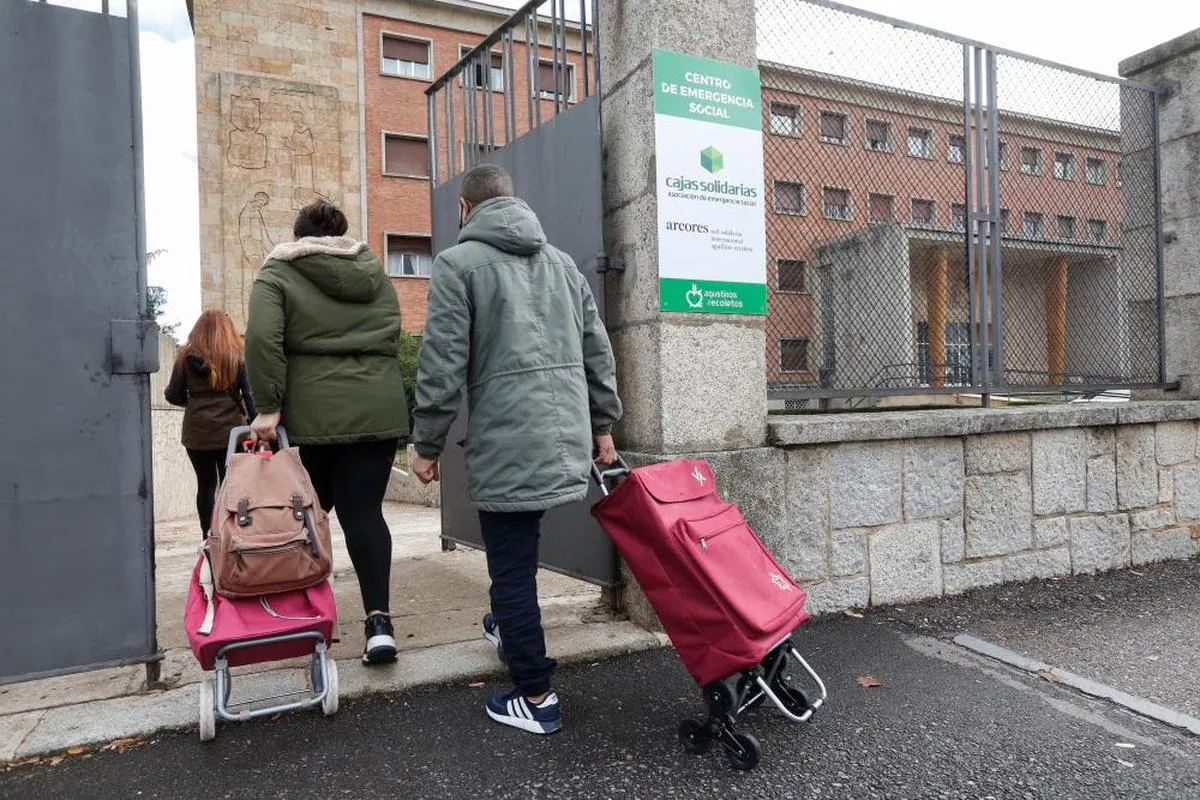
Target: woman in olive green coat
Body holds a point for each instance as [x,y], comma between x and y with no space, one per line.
[321,354]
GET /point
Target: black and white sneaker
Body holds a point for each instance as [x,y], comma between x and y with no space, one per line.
[381,640]
[491,632]
[516,710]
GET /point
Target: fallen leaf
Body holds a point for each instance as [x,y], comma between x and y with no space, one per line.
[77,750]
[1135,572]
[1050,676]
[54,762]
[1100,597]
[850,612]
[869,681]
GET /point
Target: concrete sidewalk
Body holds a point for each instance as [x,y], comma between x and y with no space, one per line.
[438,600]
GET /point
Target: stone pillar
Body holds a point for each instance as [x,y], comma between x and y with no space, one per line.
[691,383]
[938,301]
[1056,319]
[1174,68]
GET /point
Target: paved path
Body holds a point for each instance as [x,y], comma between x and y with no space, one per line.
[946,724]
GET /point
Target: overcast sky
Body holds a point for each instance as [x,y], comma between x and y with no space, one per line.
[1074,32]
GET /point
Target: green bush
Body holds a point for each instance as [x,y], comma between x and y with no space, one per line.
[407,353]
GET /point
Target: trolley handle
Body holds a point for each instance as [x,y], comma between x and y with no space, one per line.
[238,434]
[612,472]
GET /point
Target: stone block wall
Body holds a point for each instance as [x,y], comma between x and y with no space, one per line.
[913,505]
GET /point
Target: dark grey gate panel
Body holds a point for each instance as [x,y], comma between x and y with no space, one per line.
[556,169]
[76,578]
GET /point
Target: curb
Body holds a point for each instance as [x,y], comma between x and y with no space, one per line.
[85,725]
[1137,705]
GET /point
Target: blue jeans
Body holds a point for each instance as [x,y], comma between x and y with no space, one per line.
[511,541]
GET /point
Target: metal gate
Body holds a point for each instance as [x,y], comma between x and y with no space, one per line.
[948,217]
[76,579]
[527,99]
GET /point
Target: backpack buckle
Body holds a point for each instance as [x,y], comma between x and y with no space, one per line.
[297,506]
[243,513]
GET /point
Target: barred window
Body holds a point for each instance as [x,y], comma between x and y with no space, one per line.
[879,136]
[1031,161]
[920,143]
[836,203]
[789,197]
[785,119]
[833,127]
[881,208]
[922,212]
[789,275]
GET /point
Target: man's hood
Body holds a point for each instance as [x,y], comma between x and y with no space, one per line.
[505,223]
[342,268]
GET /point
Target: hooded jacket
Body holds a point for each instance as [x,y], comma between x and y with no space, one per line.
[513,322]
[321,343]
[209,414]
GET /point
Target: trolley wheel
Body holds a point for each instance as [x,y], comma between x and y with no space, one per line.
[208,711]
[792,698]
[748,754]
[693,738]
[329,705]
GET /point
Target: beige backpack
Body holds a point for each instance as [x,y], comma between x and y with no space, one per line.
[269,533]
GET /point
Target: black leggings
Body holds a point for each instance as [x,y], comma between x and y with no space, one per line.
[353,479]
[210,471]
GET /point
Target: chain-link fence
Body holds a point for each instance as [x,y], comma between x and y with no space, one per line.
[946,217]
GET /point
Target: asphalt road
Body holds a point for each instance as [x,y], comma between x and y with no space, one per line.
[945,724]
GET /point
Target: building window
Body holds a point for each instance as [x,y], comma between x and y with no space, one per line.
[958,217]
[408,257]
[833,128]
[789,197]
[1098,230]
[879,136]
[1064,166]
[1120,173]
[1033,224]
[406,58]
[789,275]
[492,78]
[793,355]
[881,209]
[922,213]
[920,143]
[1096,171]
[1031,161]
[1004,221]
[956,363]
[1003,148]
[785,119]
[836,203]
[954,152]
[405,156]
[1066,227]
[546,80]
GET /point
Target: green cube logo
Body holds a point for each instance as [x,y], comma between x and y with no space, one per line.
[711,159]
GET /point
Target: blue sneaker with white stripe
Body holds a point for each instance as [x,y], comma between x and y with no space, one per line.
[491,632]
[515,709]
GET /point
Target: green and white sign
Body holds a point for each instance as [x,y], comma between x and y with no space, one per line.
[709,152]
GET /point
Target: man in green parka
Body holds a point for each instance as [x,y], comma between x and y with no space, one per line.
[512,321]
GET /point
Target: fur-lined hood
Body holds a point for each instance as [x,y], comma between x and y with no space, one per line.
[341,268]
[342,246]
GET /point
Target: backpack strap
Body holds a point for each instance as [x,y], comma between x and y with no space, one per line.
[243,512]
[206,583]
[297,506]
